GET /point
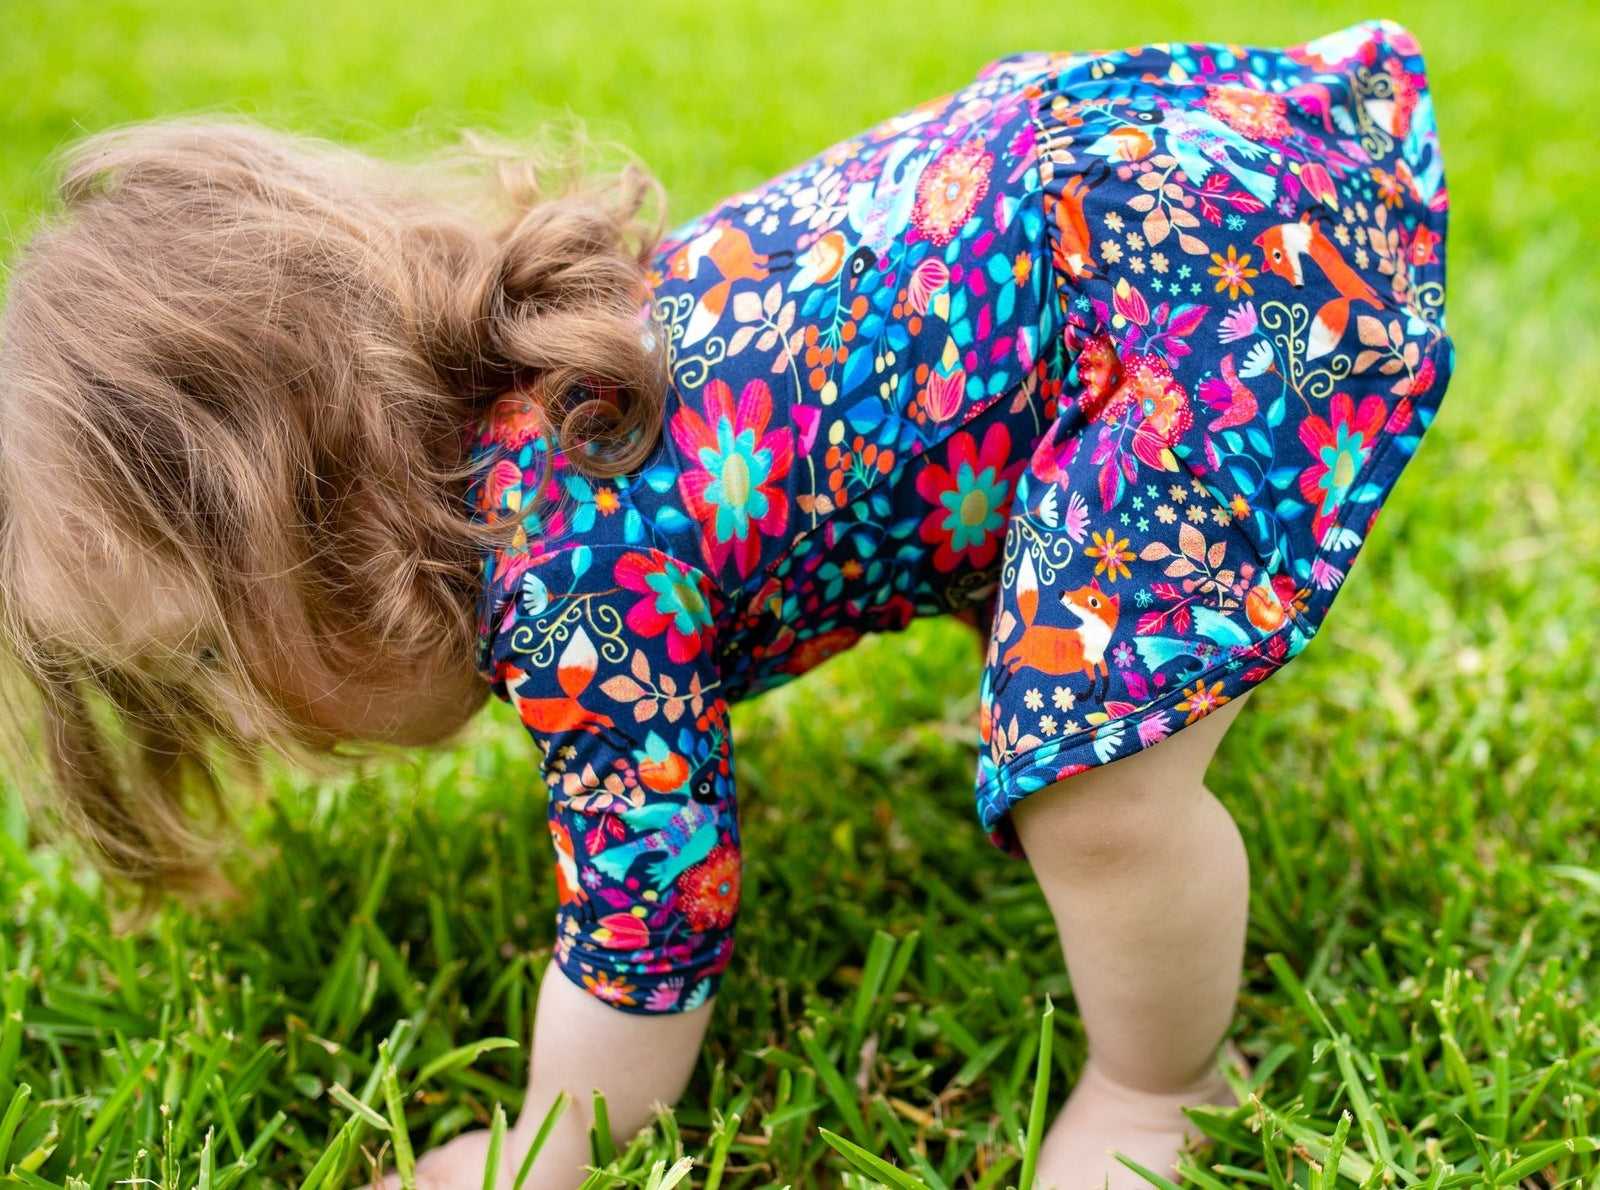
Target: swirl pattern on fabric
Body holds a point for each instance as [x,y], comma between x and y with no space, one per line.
[1120,352]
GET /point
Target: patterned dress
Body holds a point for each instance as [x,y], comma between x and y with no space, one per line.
[1120,351]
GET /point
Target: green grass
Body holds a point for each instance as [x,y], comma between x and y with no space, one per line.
[1418,793]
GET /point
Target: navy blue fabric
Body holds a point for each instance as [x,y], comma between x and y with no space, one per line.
[1118,352]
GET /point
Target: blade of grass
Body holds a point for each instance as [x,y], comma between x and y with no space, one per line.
[13,1116]
[870,1164]
[355,1107]
[404,1160]
[497,1139]
[546,1127]
[1041,1097]
[727,1129]
[833,1082]
[601,1141]
[461,1056]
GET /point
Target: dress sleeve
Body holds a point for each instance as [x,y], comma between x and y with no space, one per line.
[608,657]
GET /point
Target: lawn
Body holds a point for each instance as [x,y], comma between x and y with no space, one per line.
[1418,792]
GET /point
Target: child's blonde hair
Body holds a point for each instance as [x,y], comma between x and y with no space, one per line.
[241,366]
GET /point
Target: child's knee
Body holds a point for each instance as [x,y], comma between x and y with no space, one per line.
[1134,811]
[1099,823]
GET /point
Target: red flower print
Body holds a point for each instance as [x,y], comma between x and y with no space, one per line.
[514,423]
[1161,406]
[1137,391]
[1255,114]
[708,893]
[943,395]
[622,931]
[677,602]
[927,279]
[1099,373]
[950,190]
[734,491]
[1054,454]
[1340,447]
[1129,303]
[971,499]
[1319,183]
[1142,409]
[503,488]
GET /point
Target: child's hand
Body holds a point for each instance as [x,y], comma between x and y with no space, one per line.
[457,1165]
[637,1062]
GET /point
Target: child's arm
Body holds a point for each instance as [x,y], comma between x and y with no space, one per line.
[580,1046]
[638,765]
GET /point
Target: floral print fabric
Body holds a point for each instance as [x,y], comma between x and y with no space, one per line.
[1121,352]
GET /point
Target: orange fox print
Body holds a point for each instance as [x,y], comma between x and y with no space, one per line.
[1065,650]
[1074,251]
[568,889]
[1284,246]
[574,671]
[935,360]
[728,250]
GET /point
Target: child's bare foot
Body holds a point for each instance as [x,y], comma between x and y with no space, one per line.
[455,1165]
[1103,1118]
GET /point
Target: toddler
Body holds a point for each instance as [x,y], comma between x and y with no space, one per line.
[1116,355]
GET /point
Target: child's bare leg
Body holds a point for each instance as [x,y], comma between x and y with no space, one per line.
[1147,878]
[580,1045]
